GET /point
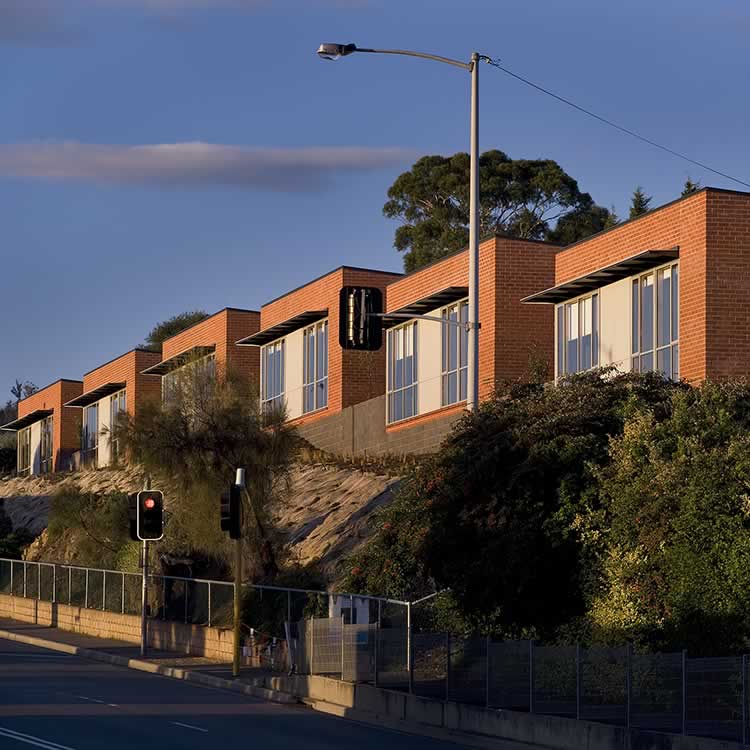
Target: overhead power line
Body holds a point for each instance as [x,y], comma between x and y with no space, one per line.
[627,131]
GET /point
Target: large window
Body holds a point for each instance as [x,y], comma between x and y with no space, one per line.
[45,448]
[655,322]
[578,335]
[90,435]
[117,409]
[24,452]
[455,353]
[272,375]
[189,381]
[315,375]
[402,372]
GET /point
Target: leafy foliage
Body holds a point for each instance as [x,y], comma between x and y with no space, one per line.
[520,197]
[12,542]
[639,203]
[172,326]
[690,187]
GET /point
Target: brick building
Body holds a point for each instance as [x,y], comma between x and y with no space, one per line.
[302,364]
[425,362]
[211,344]
[109,391]
[665,292]
[48,432]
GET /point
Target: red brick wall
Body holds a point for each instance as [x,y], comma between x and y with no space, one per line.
[681,224]
[222,330]
[727,285]
[66,427]
[352,376]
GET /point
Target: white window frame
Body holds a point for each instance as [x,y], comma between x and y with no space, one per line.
[638,355]
[23,456]
[315,372]
[46,441]
[118,404]
[562,324]
[274,400]
[409,332]
[458,312]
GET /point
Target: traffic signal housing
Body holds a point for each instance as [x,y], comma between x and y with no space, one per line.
[149,515]
[360,324]
[231,511]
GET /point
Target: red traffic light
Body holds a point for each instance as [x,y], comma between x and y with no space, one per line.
[149,503]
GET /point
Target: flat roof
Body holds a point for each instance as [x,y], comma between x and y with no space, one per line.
[178,360]
[107,389]
[282,329]
[21,422]
[424,305]
[49,385]
[156,350]
[630,266]
[212,315]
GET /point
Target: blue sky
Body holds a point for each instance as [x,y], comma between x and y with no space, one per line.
[164,155]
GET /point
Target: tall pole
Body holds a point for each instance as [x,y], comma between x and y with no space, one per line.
[240,481]
[472,386]
[144,588]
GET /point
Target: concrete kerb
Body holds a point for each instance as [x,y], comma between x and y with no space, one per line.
[176,673]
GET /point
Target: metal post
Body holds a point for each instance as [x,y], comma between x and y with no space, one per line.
[409,648]
[185,589]
[70,585]
[487,672]
[472,395]
[39,581]
[312,645]
[240,481]
[12,593]
[744,699]
[122,596]
[289,607]
[377,647]
[86,591]
[209,604]
[684,692]
[144,600]
[343,624]
[54,583]
[531,676]
[104,591]
[578,681]
[24,580]
[447,666]
[628,684]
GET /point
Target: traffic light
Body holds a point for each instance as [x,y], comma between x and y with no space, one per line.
[231,511]
[360,324]
[150,515]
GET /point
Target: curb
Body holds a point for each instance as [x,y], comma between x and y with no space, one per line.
[176,673]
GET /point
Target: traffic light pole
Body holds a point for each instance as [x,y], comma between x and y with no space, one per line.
[240,480]
[144,587]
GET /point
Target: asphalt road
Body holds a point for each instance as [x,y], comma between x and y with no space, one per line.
[62,702]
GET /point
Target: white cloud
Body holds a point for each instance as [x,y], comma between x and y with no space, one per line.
[195,164]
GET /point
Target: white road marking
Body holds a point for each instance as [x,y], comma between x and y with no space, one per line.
[188,726]
[30,740]
[93,700]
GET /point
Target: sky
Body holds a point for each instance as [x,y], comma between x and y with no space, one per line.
[158,156]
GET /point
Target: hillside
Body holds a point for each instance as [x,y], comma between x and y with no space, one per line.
[326,516]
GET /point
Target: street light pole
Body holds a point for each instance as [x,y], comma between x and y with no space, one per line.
[333,52]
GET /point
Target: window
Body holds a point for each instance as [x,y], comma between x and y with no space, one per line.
[578,335]
[90,435]
[655,322]
[455,353]
[45,458]
[117,409]
[180,383]
[272,375]
[315,364]
[402,372]
[24,452]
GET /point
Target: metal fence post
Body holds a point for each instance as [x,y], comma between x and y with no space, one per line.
[209,604]
[186,600]
[377,649]
[343,625]
[54,583]
[104,591]
[684,692]
[628,683]
[39,581]
[531,676]
[86,594]
[312,645]
[487,673]
[70,585]
[122,596]
[578,681]
[447,666]
[12,593]
[409,648]
[744,699]
[24,580]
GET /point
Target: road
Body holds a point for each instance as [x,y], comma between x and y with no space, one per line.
[60,702]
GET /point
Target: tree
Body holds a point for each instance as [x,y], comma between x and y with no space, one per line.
[172,326]
[197,439]
[521,197]
[22,389]
[577,225]
[639,203]
[690,187]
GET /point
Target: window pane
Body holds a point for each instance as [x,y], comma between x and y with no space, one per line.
[635,332]
[647,362]
[647,313]
[560,340]
[571,338]
[664,362]
[464,336]
[595,330]
[664,307]
[675,303]
[676,362]
[584,308]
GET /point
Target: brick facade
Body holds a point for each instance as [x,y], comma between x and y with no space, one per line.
[66,425]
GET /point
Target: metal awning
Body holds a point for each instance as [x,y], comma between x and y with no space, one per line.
[95,394]
[21,422]
[178,360]
[631,266]
[285,327]
[426,304]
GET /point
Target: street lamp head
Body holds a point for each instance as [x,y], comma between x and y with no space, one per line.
[329,51]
